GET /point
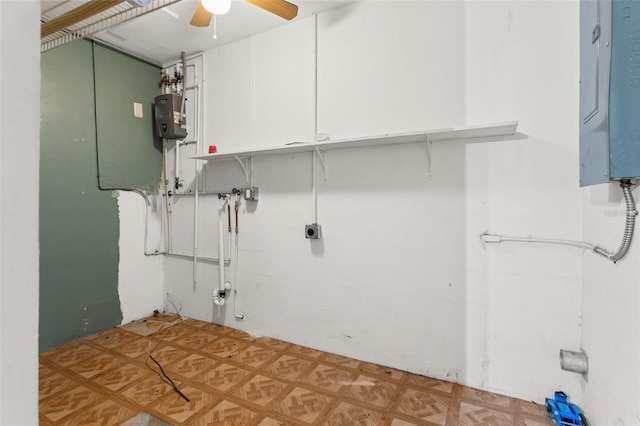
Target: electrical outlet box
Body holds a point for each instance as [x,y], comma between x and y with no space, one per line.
[251,194]
[313,231]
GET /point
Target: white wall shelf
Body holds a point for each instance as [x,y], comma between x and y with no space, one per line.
[469,132]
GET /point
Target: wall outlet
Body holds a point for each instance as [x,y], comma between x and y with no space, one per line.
[313,231]
[251,194]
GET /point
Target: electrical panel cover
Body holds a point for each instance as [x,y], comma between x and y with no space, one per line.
[609,91]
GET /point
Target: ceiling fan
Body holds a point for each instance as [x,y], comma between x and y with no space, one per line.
[201,16]
[207,8]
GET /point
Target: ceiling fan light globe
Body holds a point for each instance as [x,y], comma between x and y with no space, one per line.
[217,7]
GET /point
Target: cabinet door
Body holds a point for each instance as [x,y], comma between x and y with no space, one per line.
[595,31]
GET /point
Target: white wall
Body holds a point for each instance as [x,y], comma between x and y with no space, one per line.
[525,299]
[611,319]
[139,276]
[19,158]
[400,277]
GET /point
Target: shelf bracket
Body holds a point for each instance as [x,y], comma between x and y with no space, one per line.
[428,144]
[324,165]
[244,168]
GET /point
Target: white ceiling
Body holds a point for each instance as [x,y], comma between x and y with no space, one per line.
[160,36]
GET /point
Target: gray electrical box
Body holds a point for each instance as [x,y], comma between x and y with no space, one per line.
[169,122]
[609,91]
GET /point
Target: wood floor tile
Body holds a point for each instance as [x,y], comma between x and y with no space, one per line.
[288,367]
[270,421]
[196,340]
[303,404]
[372,390]
[194,322]
[112,338]
[260,390]
[192,365]
[105,413]
[472,415]
[225,347]
[223,377]
[239,334]
[485,397]
[55,383]
[122,376]
[225,414]
[400,422]
[95,365]
[379,370]
[329,377]
[253,356]
[71,354]
[533,408]
[43,370]
[175,332]
[134,349]
[304,351]
[68,402]
[167,353]
[146,391]
[421,405]
[342,361]
[430,384]
[233,378]
[539,421]
[273,343]
[348,414]
[178,409]
[216,328]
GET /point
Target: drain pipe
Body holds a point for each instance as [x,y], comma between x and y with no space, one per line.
[220,295]
[235,264]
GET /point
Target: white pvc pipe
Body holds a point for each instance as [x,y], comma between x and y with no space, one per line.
[167,201]
[235,267]
[216,298]
[221,251]
[196,182]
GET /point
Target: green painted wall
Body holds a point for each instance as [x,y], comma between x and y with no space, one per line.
[79,225]
[128,154]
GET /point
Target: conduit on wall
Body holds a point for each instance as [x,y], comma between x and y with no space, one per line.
[631,214]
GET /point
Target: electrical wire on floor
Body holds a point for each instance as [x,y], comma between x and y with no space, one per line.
[162,375]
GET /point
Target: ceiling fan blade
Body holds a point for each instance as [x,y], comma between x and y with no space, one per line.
[282,8]
[201,16]
[87,10]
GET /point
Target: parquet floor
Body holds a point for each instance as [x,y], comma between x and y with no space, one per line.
[232,378]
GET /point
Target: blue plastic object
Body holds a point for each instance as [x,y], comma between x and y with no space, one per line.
[562,412]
